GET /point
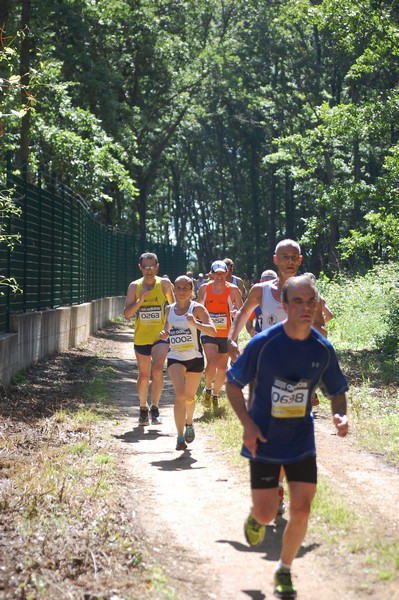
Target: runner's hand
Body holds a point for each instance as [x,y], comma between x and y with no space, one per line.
[250,437]
[341,423]
[233,350]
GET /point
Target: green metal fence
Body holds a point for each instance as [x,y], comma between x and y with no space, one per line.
[66,256]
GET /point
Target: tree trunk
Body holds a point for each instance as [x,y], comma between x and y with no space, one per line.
[25,79]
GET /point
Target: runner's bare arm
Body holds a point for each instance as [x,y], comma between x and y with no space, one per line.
[338,408]
[242,288]
[236,297]
[253,300]
[251,433]
[201,293]
[167,289]
[318,321]
[132,303]
[164,334]
[327,312]
[202,321]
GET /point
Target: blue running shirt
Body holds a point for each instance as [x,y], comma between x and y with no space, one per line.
[285,372]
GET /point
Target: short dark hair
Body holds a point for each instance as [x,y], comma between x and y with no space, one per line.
[293,281]
[148,256]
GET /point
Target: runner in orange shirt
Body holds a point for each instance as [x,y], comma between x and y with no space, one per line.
[219,297]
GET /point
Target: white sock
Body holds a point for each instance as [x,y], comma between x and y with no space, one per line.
[281,565]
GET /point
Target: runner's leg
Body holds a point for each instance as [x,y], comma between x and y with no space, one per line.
[143,378]
[192,383]
[301,496]
[158,355]
[177,374]
[211,355]
[220,376]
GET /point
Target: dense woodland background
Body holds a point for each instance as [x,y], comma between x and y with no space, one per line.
[222,125]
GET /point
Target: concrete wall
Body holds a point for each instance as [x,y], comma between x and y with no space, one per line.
[34,336]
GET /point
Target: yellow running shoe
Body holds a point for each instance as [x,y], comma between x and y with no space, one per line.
[283,587]
[254,531]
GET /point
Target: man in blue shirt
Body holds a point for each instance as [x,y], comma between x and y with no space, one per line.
[285,364]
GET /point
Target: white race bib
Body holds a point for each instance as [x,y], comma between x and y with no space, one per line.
[289,399]
[219,320]
[181,340]
[150,315]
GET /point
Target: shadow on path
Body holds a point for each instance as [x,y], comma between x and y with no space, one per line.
[254,594]
[181,463]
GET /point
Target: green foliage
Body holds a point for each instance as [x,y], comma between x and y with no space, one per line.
[388,342]
[13,104]
[10,85]
[360,307]
[379,240]
[84,156]
[365,332]
[223,126]
[8,208]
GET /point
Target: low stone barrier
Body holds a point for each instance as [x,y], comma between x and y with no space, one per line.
[36,335]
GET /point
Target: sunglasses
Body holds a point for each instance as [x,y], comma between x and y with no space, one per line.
[151,268]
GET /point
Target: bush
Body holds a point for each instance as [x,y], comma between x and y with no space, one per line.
[388,343]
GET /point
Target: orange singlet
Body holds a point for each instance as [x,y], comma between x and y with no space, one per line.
[219,307]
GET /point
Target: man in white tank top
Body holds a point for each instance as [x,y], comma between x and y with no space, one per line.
[267,295]
[287,258]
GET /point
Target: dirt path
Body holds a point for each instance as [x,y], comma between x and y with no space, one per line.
[192,504]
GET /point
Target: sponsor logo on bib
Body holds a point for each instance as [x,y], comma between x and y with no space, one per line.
[150,315]
[289,399]
[219,320]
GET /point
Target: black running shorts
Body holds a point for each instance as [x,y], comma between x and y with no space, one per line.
[221,343]
[195,365]
[145,349]
[266,476]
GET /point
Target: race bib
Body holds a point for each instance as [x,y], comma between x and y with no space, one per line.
[289,400]
[219,320]
[181,340]
[150,315]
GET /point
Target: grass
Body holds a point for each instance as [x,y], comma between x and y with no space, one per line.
[64,503]
[360,307]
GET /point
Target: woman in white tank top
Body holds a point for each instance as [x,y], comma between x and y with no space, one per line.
[185,320]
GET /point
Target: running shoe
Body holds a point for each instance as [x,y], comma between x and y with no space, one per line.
[155,418]
[254,531]
[143,418]
[189,434]
[181,444]
[283,587]
[207,399]
[215,402]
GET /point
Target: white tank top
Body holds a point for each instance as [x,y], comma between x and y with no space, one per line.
[272,310]
[183,337]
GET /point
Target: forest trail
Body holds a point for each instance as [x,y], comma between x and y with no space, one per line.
[191,505]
